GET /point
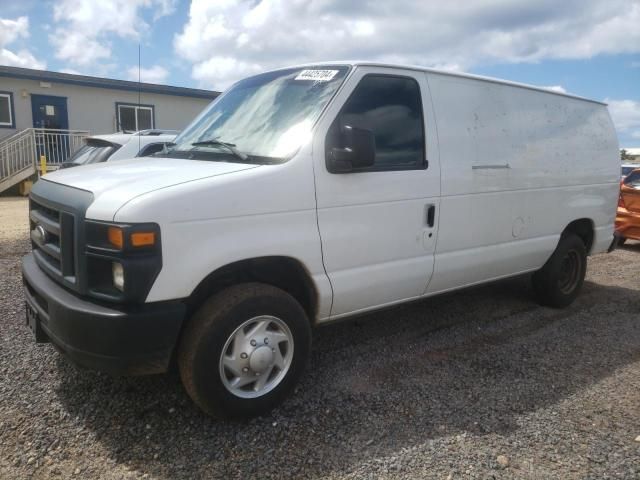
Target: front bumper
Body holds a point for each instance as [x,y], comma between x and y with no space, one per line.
[124,341]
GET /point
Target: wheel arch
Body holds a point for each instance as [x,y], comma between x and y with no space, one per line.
[584,228]
[286,273]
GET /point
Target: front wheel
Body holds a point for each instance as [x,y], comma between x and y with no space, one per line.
[559,281]
[244,350]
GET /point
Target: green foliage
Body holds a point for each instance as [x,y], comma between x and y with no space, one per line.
[624,156]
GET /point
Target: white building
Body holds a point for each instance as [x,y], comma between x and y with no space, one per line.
[43,112]
[633,154]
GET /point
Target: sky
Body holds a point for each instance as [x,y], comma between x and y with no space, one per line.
[589,48]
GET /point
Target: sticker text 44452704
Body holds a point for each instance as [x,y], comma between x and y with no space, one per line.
[317,75]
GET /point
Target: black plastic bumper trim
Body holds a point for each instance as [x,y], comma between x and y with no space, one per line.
[118,340]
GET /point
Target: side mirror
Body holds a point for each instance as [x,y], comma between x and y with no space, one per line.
[359,151]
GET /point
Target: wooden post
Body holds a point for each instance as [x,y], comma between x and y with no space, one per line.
[43,165]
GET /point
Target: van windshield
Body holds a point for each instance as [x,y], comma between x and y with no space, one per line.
[261,119]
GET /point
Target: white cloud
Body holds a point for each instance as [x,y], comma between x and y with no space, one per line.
[271,33]
[22,58]
[72,71]
[556,88]
[225,69]
[10,31]
[155,74]
[78,48]
[626,116]
[164,8]
[84,27]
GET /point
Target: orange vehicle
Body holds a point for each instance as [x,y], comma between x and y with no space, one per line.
[628,217]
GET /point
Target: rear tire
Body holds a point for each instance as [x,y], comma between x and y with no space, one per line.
[244,350]
[560,280]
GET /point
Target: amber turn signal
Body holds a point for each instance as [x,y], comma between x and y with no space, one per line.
[143,239]
[116,237]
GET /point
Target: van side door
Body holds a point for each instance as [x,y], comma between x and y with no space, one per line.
[378,224]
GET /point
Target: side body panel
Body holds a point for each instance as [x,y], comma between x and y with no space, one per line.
[518,165]
[127,150]
[209,223]
[509,168]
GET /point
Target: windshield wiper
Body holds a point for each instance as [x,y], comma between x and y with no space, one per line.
[214,142]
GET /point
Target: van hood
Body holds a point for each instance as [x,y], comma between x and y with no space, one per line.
[137,176]
[115,183]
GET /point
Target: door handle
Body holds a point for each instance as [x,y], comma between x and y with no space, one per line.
[431,215]
[490,167]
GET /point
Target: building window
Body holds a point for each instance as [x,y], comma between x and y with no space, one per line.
[132,118]
[6,110]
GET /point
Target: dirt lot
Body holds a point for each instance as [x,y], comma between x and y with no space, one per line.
[478,384]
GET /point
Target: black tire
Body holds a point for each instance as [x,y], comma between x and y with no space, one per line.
[560,280]
[200,349]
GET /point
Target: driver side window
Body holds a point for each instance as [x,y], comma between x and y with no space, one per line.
[390,107]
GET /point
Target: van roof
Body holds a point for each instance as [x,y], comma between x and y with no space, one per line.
[363,63]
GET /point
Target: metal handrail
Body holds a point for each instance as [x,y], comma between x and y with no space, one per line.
[23,149]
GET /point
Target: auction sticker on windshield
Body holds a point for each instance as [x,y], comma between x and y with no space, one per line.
[317,75]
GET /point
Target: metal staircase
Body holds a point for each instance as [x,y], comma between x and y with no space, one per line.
[20,153]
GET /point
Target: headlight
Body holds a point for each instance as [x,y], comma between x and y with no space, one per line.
[122,260]
[118,275]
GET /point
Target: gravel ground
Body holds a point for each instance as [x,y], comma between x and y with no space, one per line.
[477,384]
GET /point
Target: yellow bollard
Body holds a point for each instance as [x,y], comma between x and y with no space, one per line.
[43,165]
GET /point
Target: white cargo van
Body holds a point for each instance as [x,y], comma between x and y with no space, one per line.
[311,194]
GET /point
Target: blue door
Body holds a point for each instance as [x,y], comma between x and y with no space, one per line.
[50,113]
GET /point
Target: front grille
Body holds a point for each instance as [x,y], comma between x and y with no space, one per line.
[52,240]
[56,216]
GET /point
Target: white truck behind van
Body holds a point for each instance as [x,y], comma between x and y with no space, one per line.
[307,195]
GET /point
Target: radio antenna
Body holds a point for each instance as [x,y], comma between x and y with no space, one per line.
[139,89]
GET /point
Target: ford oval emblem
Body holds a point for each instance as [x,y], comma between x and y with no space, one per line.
[40,233]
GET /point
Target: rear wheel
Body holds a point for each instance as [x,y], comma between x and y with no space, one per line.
[244,350]
[559,281]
